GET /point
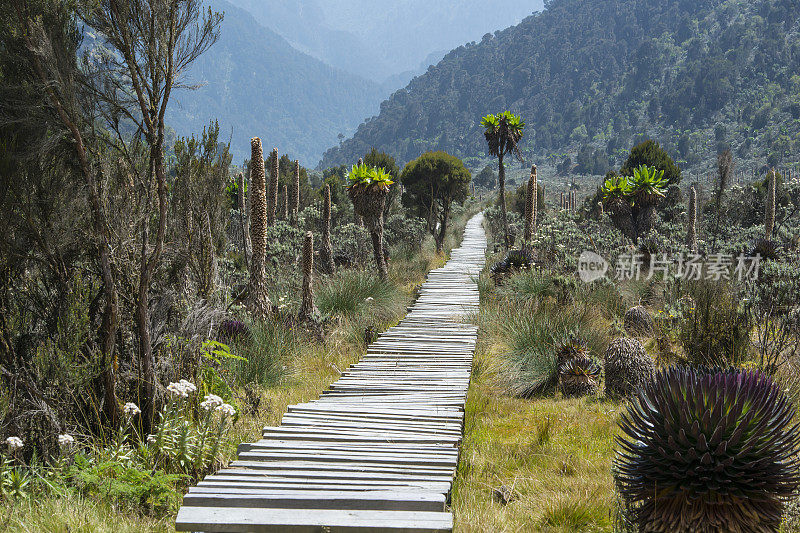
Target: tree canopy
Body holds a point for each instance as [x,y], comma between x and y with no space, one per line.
[650,154]
[432,183]
[605,73]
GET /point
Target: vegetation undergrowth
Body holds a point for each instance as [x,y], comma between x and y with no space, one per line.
[554,440]
[260,370]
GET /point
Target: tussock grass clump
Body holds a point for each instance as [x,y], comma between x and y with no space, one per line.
[264,353]
[531,337]
[346,293]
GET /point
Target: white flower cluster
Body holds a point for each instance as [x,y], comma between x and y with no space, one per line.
[14,443]
[211,402]
[226,409]
[66,440]
[182,388]
[131,409]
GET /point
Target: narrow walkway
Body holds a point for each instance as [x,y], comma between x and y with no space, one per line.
[378,451]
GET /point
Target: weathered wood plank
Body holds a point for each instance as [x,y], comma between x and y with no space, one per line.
[378,450]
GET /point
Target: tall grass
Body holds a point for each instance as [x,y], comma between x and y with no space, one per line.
[265,353]
[345,294]
[530,317]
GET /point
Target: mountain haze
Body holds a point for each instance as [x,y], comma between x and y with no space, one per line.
[256,84]
[382,39]
[603,74]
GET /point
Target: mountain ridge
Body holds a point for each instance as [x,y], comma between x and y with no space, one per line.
[604,75]
[254,83]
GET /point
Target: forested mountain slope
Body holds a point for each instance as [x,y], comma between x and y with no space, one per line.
[695,74]
[256,84]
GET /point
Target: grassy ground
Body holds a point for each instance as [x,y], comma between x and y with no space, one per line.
[550,457]
[310,368]
[538,464]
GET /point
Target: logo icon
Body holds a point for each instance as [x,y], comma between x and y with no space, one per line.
[591,266]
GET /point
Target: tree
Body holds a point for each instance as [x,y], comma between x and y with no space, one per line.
[631,201]
[368,188]
[383,160]
[44,99]
[200,203]
[486,178]
[152,44]
[650,154]
[503,132]
[432,183]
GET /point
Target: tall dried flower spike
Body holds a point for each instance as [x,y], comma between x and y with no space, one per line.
[326,249]
[259,304]
[285,202]
[272,205]
[769,215]
[530,207]
[296,192]
[691,233]
[308,310]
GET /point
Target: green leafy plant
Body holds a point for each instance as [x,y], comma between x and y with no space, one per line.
[364,175]
[708,450]
[184,444]
[616,187]
[130,487]
[647,185]
[14,480]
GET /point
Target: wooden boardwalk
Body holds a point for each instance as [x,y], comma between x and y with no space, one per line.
[378,451]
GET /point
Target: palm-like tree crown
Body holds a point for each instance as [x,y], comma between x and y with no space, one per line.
[503,132]
[648,184]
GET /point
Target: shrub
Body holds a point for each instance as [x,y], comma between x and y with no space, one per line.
[717,330]
[627,366]
[351,245]
[708,450]
[403,232]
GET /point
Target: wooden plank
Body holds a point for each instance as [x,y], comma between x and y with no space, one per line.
[254,520]
[366,500]
[378,450]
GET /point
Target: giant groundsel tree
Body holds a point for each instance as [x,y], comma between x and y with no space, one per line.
[503,132]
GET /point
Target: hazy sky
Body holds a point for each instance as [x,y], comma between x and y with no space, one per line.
[382,38]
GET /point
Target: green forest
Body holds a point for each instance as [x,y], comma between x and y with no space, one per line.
[698,76]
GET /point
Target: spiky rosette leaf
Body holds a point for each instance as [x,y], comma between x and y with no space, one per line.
[581,367]
[638,322]
[572,348]
[519,258]
[627,367]
[708,450]
[579,377]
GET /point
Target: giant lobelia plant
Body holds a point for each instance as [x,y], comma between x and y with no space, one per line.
[708,450]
